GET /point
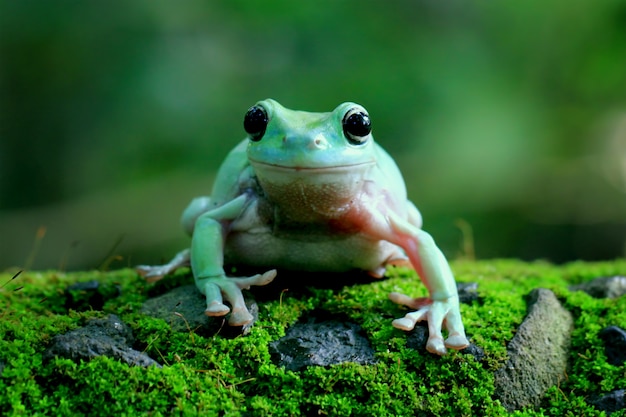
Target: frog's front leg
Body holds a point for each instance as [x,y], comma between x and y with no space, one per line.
[157,272]
[207,264]
[443,304]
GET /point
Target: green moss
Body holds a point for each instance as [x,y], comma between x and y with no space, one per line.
[213,375]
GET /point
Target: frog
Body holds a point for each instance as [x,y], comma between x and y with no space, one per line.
[313,191]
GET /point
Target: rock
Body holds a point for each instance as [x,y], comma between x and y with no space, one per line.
[537,354]
[468,292]
[183,308]
[418,337]
[320,342]
[100,337]
[90,295]
[614,344]
[476,351]
[611,402]
[605,287]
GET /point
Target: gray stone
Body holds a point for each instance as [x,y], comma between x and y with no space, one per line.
[100,337]
[537,354]
[611,402]
[183,308]
[614,344]
[468,292]
[319,342]
[606,287]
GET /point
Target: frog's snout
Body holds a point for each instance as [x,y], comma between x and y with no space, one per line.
[312,143]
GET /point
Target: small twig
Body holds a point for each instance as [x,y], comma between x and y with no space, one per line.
[14,277]
[468,239]
[39,235]
[110,257]
[240,382]
[193,339]
[66,255]
[280,304]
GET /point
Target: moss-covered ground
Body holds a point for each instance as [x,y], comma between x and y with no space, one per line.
[215,375]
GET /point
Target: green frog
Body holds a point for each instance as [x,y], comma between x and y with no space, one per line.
[312,192]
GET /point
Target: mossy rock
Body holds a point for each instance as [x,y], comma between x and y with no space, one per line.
[208,374]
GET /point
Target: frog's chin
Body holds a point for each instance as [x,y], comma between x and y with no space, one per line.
[312,193]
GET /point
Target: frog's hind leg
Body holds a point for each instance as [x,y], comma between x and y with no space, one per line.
[157,272]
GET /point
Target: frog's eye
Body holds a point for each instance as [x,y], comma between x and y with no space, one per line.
[255,122]
[357,126]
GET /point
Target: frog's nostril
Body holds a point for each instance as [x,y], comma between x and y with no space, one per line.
[319,142]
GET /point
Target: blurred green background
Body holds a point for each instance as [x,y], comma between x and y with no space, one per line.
[508,119]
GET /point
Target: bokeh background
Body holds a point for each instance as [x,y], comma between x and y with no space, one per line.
[508,119]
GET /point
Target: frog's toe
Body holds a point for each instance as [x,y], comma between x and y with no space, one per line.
[435,345]
[258,280]
[457,342]
[403,324]
[377,272]
[216,309]
[240,317]
[414,303]
[151,273]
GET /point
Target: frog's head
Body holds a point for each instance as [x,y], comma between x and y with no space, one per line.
[322,155]
[301,140]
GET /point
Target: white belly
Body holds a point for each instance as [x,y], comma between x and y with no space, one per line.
[332,254]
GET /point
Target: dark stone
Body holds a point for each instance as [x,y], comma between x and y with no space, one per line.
[183,308]
[611,402]
[90,295]
[537,354]
[614,344]
[605,287]
[320,342]
[476,351]
[418,337]
[100,337]
[468,292]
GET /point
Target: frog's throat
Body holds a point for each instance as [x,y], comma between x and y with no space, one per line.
[312,194]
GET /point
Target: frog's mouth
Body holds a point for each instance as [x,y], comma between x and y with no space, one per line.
[263,166]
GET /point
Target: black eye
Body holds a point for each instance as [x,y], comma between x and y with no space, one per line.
[255,122]
[356,126]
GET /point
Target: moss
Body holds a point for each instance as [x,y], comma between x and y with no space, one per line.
[214,375]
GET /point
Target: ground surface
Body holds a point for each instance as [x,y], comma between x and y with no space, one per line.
[217,374]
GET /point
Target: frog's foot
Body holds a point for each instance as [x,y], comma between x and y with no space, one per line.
[216,287]
[157,272]
[436,313]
